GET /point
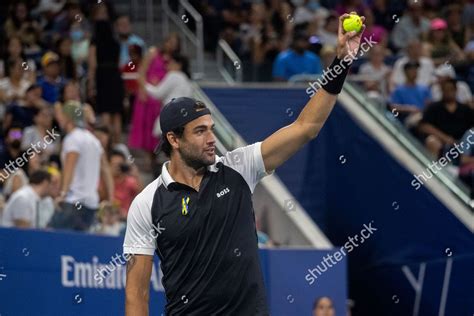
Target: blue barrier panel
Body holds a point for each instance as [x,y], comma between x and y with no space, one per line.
[52,273]
[345,179]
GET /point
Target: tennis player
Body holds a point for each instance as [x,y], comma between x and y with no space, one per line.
[197,216]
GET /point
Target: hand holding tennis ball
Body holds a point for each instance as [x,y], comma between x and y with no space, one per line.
[351,28]
[353,23]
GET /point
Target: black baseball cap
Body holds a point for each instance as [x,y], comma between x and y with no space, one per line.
[180,111]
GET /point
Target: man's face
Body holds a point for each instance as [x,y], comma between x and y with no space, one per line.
[449,91]
[55,186]
[414,50]
[123,26]
[411,73]
[33,95]
[71,92]
[52,70]
[197,145]
[44,118]
[45,188]
[115,162]
[301,45]
[324,308]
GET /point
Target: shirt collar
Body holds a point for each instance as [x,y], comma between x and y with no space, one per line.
[167,179]
[165,175]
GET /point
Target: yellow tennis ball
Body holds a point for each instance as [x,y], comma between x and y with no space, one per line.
[352,23]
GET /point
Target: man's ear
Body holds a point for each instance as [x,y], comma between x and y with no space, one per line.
[173,140]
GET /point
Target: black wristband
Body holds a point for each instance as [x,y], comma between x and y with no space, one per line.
[333,79]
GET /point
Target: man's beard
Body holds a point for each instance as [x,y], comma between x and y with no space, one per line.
[194,160]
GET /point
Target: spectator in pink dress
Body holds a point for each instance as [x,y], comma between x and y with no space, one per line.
[146,108]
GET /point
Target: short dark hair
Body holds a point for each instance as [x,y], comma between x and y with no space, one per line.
[451,81]
[318,299]
[122,16]
[40,176]
[136,48]
[165,145]
[115,152]
[411,65]
[102,128]
[183,61]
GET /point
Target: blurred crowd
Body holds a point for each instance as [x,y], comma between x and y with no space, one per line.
[81,93]
[80,96]
[421,69]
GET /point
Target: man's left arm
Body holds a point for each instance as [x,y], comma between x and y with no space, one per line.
[70,163]
[284,143]
[107,177]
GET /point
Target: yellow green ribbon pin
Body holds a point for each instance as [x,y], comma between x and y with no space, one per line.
[184,203]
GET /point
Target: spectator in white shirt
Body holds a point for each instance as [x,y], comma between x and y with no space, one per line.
[175,84]
[22,207]
[13,88]
[425,70]
[463,92]
[328,34]
[377,72]
[83,161]
[38,134]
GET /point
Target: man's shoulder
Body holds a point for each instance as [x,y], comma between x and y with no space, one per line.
[423,88]
[435,106]
[135,39]
[285,55]
[145,197]
[23,194]
[465,108]
[310,55]
[41,80]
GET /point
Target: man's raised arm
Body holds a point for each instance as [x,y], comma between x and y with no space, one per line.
[285,142]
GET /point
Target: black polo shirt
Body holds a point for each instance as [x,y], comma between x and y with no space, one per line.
[455,124]
[206,240]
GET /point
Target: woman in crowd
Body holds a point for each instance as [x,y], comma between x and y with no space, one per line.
[37,134]
[176,82]
[14,51]
[104,72]
[80,45]
[19,20]
[66,62]
[146,109]
[440,45]
[13,88]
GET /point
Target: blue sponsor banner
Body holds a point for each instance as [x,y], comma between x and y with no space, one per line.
[56,273]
